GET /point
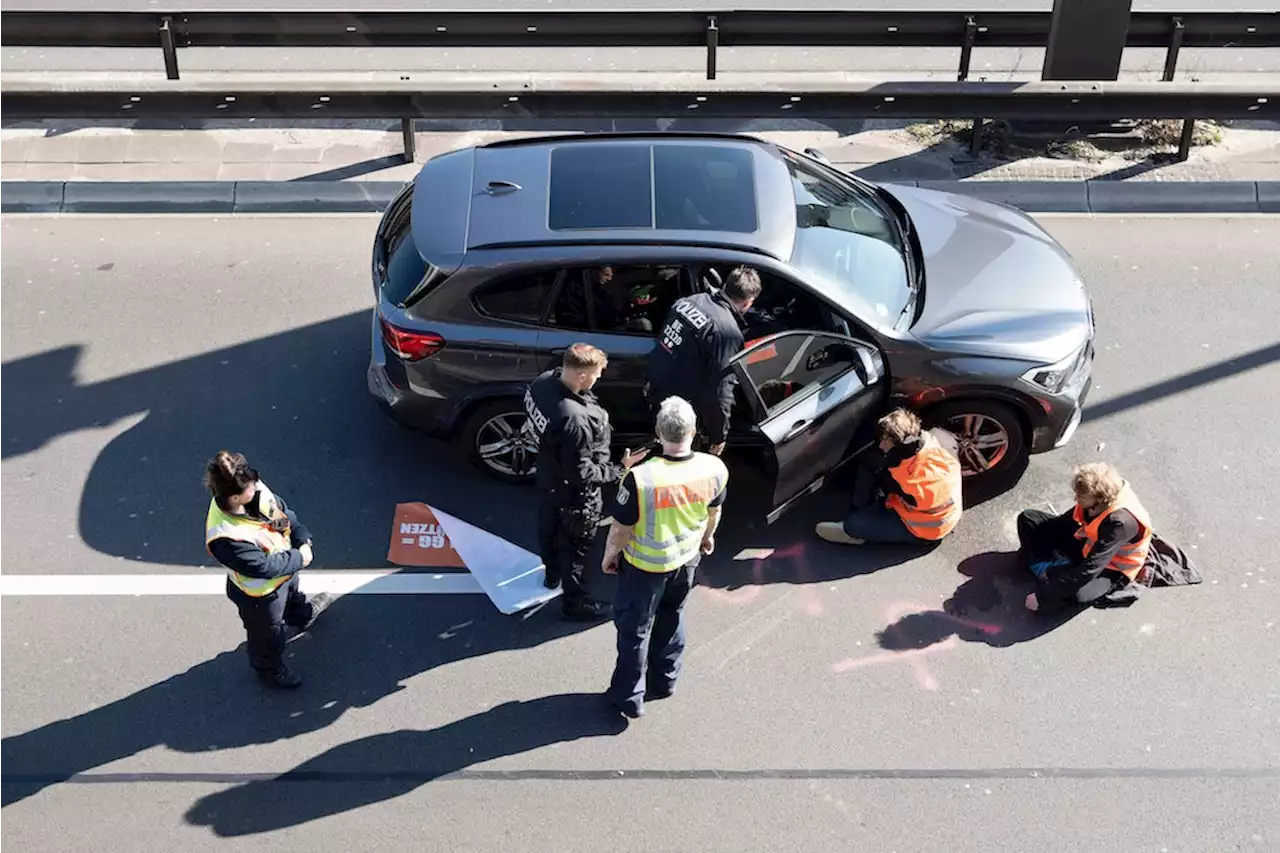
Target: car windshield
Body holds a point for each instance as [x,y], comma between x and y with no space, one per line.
[848,242]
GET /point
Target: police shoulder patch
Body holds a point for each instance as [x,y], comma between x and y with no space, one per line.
[623,494]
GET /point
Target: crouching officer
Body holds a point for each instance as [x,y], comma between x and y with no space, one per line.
[573,464]
[701,335]
[664,519]
[910,491]
[263,547]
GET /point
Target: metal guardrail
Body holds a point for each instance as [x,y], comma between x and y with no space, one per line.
[711,30]
[592,96]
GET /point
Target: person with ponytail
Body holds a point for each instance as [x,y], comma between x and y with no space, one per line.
[263,546]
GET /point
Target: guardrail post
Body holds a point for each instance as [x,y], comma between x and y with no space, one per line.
[169,47]
[966,47]
[1184,144]
[1175,45]
[1086,39]
[713,42]
[410,140]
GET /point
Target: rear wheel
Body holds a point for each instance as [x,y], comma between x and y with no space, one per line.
[500,441]
[991,436]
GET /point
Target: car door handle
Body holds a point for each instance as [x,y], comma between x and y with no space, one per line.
[796,428]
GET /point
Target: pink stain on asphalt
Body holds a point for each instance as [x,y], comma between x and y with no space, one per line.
[746,594]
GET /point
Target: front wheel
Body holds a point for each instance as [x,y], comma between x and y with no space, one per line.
[991,439]
[500,441]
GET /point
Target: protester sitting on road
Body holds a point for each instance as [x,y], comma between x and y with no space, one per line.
[263,547]
[1090,551]
[907,489]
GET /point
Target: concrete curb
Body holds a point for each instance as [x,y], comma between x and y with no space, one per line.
[233,197]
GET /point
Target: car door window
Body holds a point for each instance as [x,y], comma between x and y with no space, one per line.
[623,300]
[521,298]
[795,364]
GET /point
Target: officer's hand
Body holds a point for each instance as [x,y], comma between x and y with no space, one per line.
[307,556]
[708,545]
[609,565]
[716,450]
[633,457]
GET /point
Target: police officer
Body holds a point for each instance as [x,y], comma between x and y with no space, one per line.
[665,517]
[702,333]
[573,464]
[263,547]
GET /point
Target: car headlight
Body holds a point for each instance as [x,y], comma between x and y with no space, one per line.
[1054,377]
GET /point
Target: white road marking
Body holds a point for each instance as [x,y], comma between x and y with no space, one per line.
[212,582]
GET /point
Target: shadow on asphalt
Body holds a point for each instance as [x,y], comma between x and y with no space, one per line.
[362,650]
[385,766]
[295,403]
[989,607]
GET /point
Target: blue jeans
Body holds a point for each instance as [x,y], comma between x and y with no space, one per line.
[648,611]
[878,524]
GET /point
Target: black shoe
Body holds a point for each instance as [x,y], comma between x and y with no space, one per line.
[319,603]
[626,711]
[281,677]
[587,611]
[551,581]
[654,694]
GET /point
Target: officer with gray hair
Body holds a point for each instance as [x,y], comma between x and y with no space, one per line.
[665,517]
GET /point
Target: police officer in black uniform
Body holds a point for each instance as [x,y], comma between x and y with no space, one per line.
[702,333]
[573,464]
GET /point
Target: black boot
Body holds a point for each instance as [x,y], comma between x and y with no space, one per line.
[281,676]
[319,603]
[587,610]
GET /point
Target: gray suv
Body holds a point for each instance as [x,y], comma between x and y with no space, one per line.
[498,257]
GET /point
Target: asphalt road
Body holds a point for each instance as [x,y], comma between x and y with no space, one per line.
[1220,65]
[817,712]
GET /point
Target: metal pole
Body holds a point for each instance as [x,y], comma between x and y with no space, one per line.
[1175,45]
[1086,39]
[1184,144]
[713,42]
[410,141]
[966,47]
[169,47]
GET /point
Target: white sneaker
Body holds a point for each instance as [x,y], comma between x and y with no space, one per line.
[833,531]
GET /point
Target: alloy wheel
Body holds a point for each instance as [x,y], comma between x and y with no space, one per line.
[506,443]
[983,442]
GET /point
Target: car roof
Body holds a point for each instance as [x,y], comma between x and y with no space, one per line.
[693,189]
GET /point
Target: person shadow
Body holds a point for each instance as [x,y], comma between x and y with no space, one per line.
[988,607]
[391,764]
[361,650]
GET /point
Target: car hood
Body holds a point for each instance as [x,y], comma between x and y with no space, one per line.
[995,282]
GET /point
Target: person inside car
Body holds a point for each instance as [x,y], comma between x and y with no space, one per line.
[906,490]
[1090,551]
[700,336]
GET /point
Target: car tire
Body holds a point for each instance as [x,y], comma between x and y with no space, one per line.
[987,420]
[482,428]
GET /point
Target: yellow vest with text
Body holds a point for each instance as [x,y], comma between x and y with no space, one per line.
[673,498]
[220,524]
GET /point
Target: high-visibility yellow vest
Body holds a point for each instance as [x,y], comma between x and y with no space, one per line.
[672,497]
[220,524]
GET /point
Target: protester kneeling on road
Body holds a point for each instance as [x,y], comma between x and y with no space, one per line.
[1092,550]
[574,447]
[665,517]
[907,489]
[263,546]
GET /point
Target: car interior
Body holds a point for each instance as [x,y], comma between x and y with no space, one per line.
[618,299]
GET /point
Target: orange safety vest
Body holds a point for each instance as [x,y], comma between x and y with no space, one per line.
[1132,555]
[933,478]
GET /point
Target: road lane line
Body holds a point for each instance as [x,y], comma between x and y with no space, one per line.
[386,582]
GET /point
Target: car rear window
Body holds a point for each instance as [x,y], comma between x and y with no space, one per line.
[669,187]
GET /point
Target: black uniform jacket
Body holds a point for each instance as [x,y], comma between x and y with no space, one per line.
[574,438]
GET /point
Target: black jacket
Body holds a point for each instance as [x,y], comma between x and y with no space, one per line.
[702,333]
[251,561]
[1060,586]
[574,438]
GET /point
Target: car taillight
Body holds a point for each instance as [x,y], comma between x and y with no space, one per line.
[411,346]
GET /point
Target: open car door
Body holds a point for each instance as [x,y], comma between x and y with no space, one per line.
[811,392]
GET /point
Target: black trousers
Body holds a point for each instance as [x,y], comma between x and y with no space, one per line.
[266,619]
[1043,536]
[566,531]
[648,611]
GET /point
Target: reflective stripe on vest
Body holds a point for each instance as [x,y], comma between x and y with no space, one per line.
[672,497]
[1129,560]
[933,478]
[219,524]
